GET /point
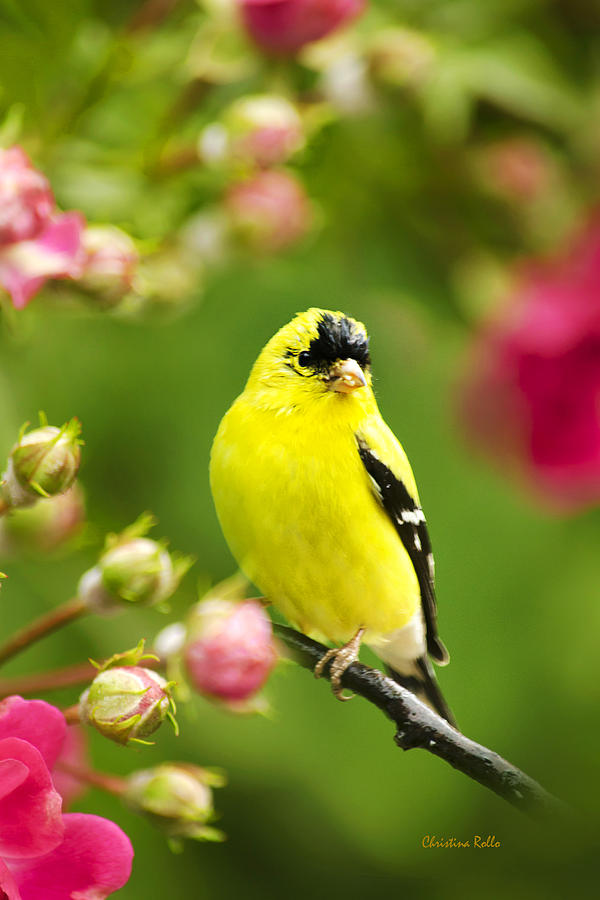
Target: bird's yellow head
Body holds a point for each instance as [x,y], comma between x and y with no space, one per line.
[318,354]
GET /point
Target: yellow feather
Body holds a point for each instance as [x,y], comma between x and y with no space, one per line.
[296,504]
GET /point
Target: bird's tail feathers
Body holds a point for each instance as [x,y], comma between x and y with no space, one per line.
[437,650]
[417,676]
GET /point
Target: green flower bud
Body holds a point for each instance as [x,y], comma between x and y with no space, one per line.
[133,569]
[43,463]
[126,703]
[177,798]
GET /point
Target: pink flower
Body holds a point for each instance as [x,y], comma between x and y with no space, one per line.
[283,26]
[54,253]
[532,397]
[26,199]
[74,753]
[270,211]
[229,653]
[45,855]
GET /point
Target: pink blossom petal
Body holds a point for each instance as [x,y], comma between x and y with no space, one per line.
[26,199]
[12,774]
[93,860]
[55,253]
[62,237]
[30,808]
[8,885]
[73,753]
[34,721]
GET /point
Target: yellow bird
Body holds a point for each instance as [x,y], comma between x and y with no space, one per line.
[319,505]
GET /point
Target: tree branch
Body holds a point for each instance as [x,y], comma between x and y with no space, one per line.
[418,726]
[46,624]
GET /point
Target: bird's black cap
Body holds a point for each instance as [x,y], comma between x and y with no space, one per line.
[338,338]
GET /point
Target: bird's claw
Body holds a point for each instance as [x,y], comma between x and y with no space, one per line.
[340,659]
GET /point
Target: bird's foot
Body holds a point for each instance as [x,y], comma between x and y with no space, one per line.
[341,658]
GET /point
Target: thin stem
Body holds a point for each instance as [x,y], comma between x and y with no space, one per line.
[418,726]
[71,714]
[66,676]
[111,783]
[37,682]
[46,624]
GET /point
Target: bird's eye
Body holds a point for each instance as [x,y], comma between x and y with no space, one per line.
[304,358]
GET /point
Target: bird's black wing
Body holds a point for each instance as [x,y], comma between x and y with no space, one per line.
[409,521]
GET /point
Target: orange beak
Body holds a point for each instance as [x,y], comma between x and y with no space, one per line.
[346,376]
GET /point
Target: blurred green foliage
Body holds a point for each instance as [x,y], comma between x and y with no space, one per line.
[319,800]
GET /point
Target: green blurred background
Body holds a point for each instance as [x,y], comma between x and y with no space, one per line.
[319,800]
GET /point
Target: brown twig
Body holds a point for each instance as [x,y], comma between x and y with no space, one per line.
[111,783]
[46,624]
[71,714]
[67,676]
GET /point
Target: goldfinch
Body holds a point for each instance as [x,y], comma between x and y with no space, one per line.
[319,505]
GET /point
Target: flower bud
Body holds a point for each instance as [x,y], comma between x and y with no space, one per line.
[44,527]
[269,211]
[43,463]
[229,651]
[284,26]
[261,130]
[126,703]
[132,570]
[110,260]
[177,798]
[26,200]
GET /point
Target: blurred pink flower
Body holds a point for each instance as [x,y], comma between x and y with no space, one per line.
[26,199]
[36,242]
[43,853]
[283,26]
[55,253]
[270,211]
[229,652]
[532,395]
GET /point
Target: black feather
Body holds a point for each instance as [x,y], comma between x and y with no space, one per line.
[410,524]
[338,338]
[423,683]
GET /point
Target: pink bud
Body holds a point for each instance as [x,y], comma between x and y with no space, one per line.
[26,199]
[126,703]
[230,651]
[261,130]
[269,211]
[110,260]
[284,26]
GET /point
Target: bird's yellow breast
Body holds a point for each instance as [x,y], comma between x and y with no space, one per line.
[300,516]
